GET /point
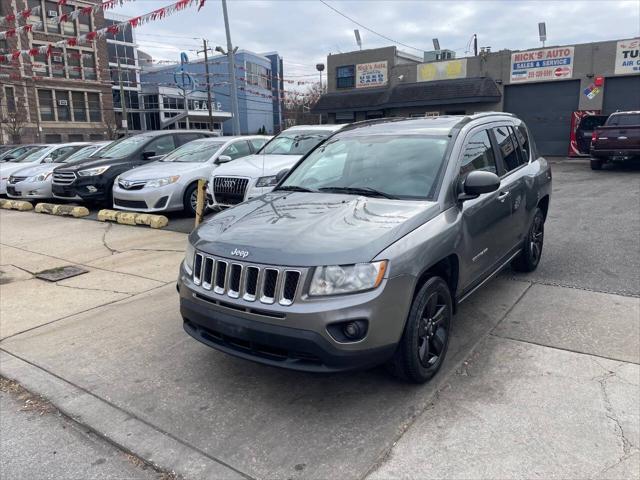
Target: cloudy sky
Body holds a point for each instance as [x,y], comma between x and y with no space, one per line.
[305,31]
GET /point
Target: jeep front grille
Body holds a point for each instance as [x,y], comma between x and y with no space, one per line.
[64,178]
[265,284]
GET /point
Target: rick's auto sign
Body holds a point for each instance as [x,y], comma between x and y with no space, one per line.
[542,65]
[628,56]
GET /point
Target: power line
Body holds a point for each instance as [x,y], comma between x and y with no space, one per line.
[370,29]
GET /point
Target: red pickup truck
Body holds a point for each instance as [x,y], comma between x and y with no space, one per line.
[617,140]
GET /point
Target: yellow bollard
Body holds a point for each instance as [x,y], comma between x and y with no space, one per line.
[200,204]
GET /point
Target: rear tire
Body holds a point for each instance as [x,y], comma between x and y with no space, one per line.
[596,164]
[531,253]
[425,340]
[188,200]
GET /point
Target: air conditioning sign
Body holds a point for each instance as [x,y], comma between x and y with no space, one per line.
[542,65]
[628,57]
[371,74]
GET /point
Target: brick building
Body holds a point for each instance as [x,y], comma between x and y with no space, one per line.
[65,96]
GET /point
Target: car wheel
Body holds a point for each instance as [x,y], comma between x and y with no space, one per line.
[191,199]
[424,342]
[531,253]
[596,164]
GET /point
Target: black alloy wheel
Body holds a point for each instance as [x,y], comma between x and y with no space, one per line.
[531,253]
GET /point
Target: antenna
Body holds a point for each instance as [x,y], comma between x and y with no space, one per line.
[356,32]
[542,31]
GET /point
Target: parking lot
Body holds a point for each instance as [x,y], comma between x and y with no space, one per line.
[542,379]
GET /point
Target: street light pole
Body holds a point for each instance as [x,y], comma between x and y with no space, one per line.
[123,101]
[232,72]
[205,49]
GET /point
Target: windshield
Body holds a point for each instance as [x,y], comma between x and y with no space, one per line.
[31,156]
[123,147]
[299,142]
[79,155]
[20,152]
[194,152]
[396,166]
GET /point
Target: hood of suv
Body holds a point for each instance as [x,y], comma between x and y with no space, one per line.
[252,166]
[164,169]
[307,229]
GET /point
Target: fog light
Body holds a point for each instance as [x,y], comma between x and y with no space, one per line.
[351,330]
[92,189]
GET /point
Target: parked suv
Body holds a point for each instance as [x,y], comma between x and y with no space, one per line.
[361,254]
[92,180]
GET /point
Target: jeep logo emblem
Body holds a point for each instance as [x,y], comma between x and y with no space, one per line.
[240,253]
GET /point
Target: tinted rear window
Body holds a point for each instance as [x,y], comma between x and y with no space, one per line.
[624,120]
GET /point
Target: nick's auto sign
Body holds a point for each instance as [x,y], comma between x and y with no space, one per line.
[542,65]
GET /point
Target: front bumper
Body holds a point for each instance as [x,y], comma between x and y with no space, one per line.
[30,190]
[156,199]
[299,339]
[3,186]
[615,154]
[91,189]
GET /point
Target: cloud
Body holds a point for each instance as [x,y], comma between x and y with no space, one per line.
[305,31]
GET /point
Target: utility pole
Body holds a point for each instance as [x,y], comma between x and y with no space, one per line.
[475,45]
[123,102]
[205,49]
[232,72]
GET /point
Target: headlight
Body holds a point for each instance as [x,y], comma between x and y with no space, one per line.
[188,258]
[161,182]
[335,279]
[93,171]
[269,181]
[39,178]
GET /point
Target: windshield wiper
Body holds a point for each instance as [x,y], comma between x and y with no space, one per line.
[296,188]
[366,191]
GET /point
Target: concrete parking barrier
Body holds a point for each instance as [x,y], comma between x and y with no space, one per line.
[132,218]
[63,210]
[15,205]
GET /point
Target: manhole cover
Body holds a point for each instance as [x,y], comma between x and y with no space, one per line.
[60,273]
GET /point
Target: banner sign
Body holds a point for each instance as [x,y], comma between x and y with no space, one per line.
[371,74]
[628,56]
[447,70]
[542,65]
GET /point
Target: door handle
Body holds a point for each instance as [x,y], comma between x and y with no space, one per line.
[503,195]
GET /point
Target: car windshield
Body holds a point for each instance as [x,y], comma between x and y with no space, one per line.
[124,147]
[78,155]
[31,156]
[194,152]
[392,166]
[16,153]
[299,142]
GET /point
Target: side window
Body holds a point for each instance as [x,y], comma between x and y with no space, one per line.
[523,139]
[188,137]
[237,150]
[61,151]
[257,143]
[161,145]
[508,147]
[478,155]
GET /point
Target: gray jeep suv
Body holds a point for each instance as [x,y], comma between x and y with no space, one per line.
[362,252]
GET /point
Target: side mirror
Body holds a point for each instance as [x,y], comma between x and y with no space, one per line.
[47,160]
[148,155]
[224,159]
[280,175]
[478,182]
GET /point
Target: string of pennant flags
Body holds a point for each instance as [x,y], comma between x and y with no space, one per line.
[14,16]
[88,37]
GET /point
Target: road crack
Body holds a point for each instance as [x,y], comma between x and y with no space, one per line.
[104,239]
[611,414]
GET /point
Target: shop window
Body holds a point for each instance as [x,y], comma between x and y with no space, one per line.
[346,76]
[45,101]
[79,107]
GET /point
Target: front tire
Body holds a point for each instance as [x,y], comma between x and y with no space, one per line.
[425,340]
[529,258]
[190,198]
[596,164]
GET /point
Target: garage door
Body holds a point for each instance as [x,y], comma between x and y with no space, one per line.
[621,93]
[546,108]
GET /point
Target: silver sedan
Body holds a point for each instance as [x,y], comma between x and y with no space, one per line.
[170,183]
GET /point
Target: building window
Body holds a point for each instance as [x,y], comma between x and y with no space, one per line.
[35,19]
[89,66]
[346,76]
[84,23]
[45,100]
[75,137]
[79,107]
[95,114]
[68,27]
[40,64]
[53,138]
[4,46]
[62,106]
[58,68]
[10,95]
[51,13]
[74,63]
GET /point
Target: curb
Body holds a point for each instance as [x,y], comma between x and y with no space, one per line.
[19,205]
[62,210]
[132,218]
[115,424]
